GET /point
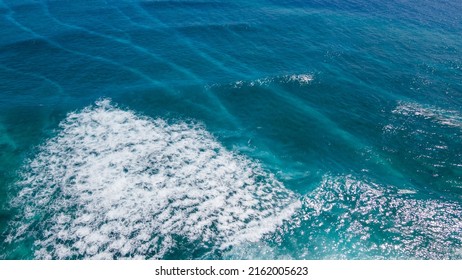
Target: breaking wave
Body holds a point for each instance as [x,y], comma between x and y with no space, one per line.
[113,184]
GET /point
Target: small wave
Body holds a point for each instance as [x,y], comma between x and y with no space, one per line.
[441,116]
[113,184]
[374,221]
[299,79]
[302,79]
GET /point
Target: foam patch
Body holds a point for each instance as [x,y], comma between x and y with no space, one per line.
[441,116]
[113,184]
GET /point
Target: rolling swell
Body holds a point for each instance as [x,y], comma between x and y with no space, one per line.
[113,184]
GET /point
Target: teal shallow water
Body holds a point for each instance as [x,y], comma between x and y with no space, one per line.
[254,129]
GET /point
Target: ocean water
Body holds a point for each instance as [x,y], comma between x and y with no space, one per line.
[231,129]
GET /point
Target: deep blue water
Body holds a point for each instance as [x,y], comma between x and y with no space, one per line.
[231,129]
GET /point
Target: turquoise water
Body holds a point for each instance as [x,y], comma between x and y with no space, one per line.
[231,129]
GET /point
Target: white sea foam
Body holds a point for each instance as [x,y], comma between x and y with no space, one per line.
[300,79]
[441,116]
[113,184]
[349,218]
[303,79]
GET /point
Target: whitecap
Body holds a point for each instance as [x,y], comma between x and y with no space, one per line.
[299,79]
[113,184]
[302,79]
[438,115]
